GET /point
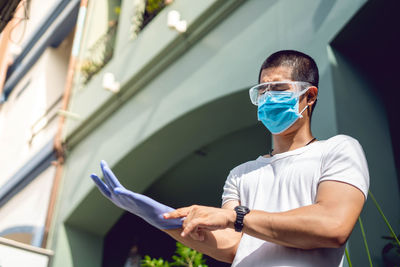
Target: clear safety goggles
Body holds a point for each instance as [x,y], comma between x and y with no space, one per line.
[292,88]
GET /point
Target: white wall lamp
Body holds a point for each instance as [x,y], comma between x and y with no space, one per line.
[110,84]
[175,22]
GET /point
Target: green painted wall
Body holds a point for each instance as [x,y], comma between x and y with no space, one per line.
[77,248]
[360,113]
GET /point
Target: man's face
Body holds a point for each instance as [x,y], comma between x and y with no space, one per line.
[284,74]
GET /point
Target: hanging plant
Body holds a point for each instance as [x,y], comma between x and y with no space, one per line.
[139,7]
[143,12]
[99,54]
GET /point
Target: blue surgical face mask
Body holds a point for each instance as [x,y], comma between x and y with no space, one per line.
[279,110]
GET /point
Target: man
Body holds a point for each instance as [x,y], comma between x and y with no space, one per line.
[295,206]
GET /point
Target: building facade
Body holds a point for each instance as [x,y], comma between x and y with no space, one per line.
[167,107]
[35,51]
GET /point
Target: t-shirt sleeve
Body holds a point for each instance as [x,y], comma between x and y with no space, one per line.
[344,160]
[231,189]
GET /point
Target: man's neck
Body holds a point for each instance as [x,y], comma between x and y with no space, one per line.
[291,141]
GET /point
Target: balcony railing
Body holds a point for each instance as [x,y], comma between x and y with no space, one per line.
[13,253]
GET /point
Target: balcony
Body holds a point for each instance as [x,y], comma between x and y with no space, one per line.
[99,53]
[13,253]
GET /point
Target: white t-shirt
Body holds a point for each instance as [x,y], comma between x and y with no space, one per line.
[290,180]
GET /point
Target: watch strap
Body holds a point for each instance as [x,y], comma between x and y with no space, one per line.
[241,211]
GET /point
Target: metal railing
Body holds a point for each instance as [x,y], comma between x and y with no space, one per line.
[43,121]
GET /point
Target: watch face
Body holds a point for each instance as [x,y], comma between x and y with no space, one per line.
[242,209]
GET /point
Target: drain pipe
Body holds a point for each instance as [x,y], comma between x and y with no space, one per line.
[58,142]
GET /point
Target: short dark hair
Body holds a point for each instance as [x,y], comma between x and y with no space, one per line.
[303,66]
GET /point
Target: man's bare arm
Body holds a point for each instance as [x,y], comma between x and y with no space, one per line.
[220,244]
[327,223]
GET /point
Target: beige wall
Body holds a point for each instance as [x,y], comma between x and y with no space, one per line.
[18,31]
[37,11]
[27,121]
[28,207]
[7,48]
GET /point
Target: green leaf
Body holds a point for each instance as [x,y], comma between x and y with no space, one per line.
[184,257]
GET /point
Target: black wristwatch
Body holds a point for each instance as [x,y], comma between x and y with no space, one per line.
[241,211]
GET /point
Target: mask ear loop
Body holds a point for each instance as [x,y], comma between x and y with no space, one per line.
[301,116]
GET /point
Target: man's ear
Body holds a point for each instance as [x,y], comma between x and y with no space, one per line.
[312,95]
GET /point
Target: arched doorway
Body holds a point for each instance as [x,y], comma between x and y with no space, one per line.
[196,179]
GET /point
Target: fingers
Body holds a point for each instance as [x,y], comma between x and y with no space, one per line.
[194,228]
[195,221]
[189,225]
[190,229]
[101,186]
[198,235]
[178,213]
[109,176]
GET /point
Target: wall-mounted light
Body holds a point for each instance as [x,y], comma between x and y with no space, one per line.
[109,83]
[175,22]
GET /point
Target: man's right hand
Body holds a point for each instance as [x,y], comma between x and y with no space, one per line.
[221,244]
[202,218]
[138,204]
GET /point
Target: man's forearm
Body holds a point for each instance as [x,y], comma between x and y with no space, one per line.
[306,227]
[219,244]
[327,223]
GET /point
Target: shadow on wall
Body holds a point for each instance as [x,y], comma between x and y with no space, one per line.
[84,247]
[364,58]
[322,11]
[371,44]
